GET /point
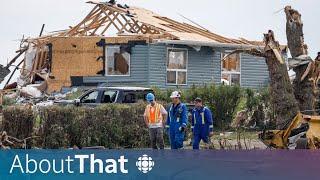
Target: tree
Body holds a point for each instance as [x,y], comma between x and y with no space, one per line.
[301,95]
[307,71]
[280,86]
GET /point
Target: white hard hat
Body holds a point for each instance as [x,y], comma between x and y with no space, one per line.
[175,94]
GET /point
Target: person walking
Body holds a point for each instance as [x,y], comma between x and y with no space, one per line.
[201,123]
[177,121]
[154,116]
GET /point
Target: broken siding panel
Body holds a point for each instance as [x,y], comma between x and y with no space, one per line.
[138,70]
[254,72]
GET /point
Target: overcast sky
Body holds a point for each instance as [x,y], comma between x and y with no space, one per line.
[231,18]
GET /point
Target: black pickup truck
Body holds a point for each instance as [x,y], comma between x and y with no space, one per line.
[105,95]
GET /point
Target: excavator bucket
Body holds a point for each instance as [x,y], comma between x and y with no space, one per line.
[302,133]
[313,133]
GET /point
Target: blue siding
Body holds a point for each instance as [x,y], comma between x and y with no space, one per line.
[203,67]
[148,68]
[157,66]
[138,70]
[217,67]
[254,71]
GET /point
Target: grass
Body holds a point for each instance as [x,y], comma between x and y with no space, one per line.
[233,135]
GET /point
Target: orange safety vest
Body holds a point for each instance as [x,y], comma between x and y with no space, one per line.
[154,114]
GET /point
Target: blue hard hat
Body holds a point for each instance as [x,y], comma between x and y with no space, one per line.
[150,97]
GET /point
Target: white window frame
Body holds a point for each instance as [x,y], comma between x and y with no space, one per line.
[106,63]
[230,72]
[177,70]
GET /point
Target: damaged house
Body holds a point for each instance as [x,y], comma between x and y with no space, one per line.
[148,50]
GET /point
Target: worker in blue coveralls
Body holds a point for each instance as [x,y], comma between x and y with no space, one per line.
[201,124]
[176,121]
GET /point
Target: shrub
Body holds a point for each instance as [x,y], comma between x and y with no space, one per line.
[18,122]
[222,100]
[8,101]
[259,103]
[112,126]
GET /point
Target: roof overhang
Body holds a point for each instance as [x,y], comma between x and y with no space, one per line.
[207,44]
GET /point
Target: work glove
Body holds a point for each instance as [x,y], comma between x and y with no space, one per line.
[182,128]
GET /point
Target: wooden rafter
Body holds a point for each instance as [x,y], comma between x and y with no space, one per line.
[94,10]
[133,20]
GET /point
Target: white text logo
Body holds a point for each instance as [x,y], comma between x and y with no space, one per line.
[145,163]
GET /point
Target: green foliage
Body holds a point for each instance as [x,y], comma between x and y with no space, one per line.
[252,99]
[223,100]
[164,95]
[112,126]
[18,122]
[8,101]
[259,102]
[160,94]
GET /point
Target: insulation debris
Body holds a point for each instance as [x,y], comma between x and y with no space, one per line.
[31,90]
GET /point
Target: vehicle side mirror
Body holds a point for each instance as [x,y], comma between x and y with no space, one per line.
[77,102]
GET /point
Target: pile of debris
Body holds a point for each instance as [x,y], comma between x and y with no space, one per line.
[32,96]
[9,142]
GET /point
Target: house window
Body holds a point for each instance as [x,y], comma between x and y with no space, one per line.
[177,67]
[117,61]
[230,68]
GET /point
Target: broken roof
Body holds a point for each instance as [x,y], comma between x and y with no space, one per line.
[135,21]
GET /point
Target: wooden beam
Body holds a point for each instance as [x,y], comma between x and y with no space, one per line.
[35,62]
[17,67]
[187,27]
[100,23]
[111,22]
[93,11]
[93,21]
[137,25]
[128,22]
[16,57]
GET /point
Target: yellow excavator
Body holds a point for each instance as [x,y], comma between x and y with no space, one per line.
[302,133]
